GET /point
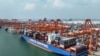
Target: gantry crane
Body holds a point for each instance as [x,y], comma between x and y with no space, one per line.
[49,26]
[93,35]
[90,30]
[28,24]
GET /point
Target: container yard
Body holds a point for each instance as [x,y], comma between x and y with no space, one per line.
[67,38]
[49,27]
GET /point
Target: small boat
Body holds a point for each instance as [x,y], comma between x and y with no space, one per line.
[67,46]
[6,29]
[0,27]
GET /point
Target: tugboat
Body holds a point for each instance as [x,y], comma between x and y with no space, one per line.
[6,29]
[49,37]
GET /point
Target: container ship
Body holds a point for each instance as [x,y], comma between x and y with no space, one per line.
[57,37]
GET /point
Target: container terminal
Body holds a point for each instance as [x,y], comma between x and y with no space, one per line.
[66,38]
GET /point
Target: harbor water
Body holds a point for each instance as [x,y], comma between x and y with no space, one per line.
[12,45]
